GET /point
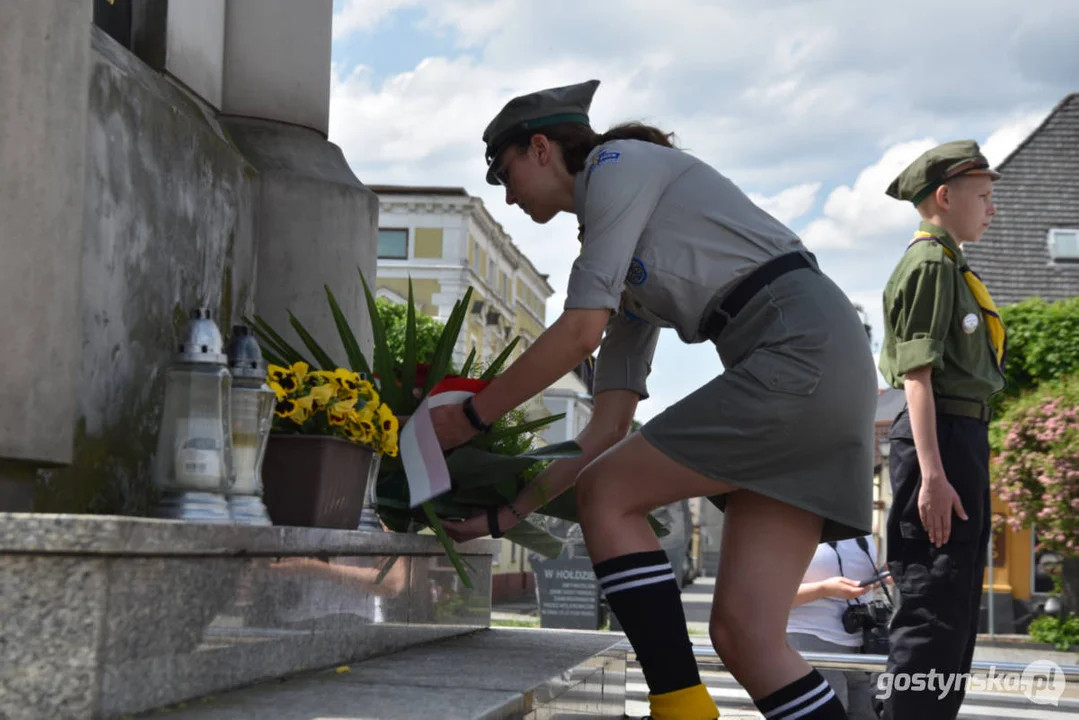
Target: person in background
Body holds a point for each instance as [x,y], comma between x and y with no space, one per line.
[832,584]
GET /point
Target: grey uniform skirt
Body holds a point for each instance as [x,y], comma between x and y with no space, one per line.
[791,417]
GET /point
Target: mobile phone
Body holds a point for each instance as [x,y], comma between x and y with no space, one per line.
[876,579]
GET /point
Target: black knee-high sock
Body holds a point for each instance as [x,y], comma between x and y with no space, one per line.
[807,698]
[644,596]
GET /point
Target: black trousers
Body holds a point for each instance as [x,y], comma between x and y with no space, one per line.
[936,622]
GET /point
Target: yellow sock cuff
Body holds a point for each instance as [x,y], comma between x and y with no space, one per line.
[691,703]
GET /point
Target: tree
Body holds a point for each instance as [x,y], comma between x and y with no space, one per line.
[428,330]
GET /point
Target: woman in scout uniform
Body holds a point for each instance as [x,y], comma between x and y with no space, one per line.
[782,440]
[944,344]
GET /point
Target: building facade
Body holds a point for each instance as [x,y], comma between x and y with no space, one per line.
[445,241]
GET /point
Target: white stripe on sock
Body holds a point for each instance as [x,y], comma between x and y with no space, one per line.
[777,713]
[811,708]
[634,571]
[638,583]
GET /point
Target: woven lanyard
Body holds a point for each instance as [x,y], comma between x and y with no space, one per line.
[997,335]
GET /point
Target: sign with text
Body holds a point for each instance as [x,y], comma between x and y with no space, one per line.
[568,593]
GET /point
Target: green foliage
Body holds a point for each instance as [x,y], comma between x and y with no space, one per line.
[395,319]
[1061,633]
[1036,472]
[1043,344]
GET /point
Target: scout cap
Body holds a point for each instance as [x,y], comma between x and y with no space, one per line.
[937,166]
[567,104]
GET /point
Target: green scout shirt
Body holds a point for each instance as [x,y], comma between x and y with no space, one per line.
[932,318]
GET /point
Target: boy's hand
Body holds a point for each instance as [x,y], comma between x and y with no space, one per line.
[936,500]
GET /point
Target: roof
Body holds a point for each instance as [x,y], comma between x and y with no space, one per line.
[1038,190]
[417,190]
[889,403]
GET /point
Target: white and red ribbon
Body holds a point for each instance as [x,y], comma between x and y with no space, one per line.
[425,466]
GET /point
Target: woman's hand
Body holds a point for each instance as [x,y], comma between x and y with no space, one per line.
[842,587]
[470,529]
[452,427]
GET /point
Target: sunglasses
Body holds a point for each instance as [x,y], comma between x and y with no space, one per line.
[502,175]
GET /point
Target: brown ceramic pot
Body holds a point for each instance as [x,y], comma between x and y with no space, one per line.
[315,480]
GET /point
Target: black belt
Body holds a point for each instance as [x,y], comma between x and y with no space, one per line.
[962,407]
[747,288]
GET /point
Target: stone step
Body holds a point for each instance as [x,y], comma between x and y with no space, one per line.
[490,674]
[730,696]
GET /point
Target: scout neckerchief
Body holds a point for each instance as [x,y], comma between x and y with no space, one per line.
[993,323]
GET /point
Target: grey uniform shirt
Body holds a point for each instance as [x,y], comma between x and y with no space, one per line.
[665,237]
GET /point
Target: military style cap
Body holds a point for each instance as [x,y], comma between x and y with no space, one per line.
[937,166]
[567,104]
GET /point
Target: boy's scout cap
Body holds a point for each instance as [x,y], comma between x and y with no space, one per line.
[567,104]
[937,166]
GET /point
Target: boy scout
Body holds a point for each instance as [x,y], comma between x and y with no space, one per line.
[944,344]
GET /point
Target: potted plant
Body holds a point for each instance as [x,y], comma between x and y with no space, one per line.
[329,432]
[485,472]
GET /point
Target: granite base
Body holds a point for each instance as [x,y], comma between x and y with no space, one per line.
[107,616]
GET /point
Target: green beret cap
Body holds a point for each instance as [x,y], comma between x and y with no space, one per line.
[553,106]
[937,166]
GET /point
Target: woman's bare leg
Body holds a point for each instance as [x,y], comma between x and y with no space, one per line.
[618,489]
[766,547]
[615,494]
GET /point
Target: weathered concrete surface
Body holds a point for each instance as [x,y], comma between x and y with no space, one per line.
[44,56]
[317,226]
[167,225]
[277,61]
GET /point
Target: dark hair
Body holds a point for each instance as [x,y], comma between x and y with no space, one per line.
[577,141]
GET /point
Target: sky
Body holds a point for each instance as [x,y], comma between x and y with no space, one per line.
[812,107]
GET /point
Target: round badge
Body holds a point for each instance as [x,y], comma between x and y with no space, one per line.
[637,273]
[970,323]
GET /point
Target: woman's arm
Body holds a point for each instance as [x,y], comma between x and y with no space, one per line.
[559,349]
[610,423]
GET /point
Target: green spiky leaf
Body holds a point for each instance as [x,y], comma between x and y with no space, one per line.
[496,365]
[383,363]
[357,362]
[321,357]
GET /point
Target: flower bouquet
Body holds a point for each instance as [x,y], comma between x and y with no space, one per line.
[486,472]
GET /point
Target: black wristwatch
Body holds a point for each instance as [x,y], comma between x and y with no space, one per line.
[474,417]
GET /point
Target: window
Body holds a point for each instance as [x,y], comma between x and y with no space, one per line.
[393,243]
[1064,245]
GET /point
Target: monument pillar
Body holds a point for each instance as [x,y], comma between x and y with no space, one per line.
[316,223]
[44,68]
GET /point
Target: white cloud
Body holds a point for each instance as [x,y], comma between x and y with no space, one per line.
[1006,139]
[364,15]
[856,213]
[793,100]
[789,204]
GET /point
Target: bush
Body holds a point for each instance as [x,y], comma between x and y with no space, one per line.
[1043,345]
[1037,471]
[1061,633]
